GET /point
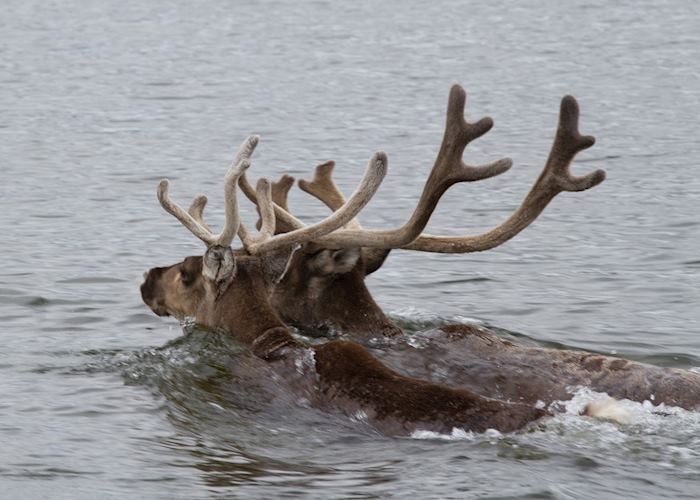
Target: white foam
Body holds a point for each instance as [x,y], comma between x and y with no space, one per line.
[626,420]
[456,435]
[360,416]
[306,362]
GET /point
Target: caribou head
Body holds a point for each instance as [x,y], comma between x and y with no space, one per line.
[228,290]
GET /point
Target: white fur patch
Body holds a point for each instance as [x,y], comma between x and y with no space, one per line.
[608,409]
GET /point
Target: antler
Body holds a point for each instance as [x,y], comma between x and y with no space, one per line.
[193,218]
[264,242]
[196,210]
[225,237]
[554,179]
[323,187]
[279,192]
[449,169]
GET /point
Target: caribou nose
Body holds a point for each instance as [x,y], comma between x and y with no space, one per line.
[149,284]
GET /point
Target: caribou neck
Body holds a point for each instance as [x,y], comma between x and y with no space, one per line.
[245,312]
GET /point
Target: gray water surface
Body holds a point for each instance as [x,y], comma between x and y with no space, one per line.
[99,398]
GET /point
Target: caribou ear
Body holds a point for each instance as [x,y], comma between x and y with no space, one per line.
[190,270]
[330,261]
[219,264]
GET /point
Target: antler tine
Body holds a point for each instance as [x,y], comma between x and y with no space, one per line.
[186,219]
[458,134]
[372,178]
[449,169]
[233,219]
[282,215]
[245,150]
[324,188]
[554,179]
[196,210]
[567,143]
[263,190]
[280,191]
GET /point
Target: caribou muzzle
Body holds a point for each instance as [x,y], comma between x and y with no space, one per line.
[152,291]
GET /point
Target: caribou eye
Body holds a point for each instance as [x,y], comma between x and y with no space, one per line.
[187,278]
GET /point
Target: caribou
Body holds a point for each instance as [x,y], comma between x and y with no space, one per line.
[319,287]
[226,290]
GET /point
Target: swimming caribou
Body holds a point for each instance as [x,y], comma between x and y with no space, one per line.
[311,276]
[322,286]
[226,290]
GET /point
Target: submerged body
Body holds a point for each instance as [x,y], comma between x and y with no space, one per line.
[338,375]
[476,359]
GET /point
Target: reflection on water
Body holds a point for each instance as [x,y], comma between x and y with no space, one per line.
[99,101]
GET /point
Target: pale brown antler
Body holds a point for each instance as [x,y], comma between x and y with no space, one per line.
[323,187]
[265,240]
[554,179]
[279,192]
[196,208]
[195,222]
[372,178]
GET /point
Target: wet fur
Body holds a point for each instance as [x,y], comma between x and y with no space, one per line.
[346,376]
[477,359]
[471,357]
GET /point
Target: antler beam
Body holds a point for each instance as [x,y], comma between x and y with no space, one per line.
[555,178]
[449,169]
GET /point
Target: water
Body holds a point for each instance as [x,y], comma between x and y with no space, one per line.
[98,101]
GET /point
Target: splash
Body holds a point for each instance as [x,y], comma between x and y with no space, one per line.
[457,434]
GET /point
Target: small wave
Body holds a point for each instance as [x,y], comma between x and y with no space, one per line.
[457,434]
[412,319]
[657,429]
[643,421]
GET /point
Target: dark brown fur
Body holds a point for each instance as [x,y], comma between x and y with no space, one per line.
[478,360]
[348,377]
[475,359]
[323,290]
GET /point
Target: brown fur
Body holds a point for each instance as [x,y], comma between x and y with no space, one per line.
[476,359]
[324,290]
[349,378]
